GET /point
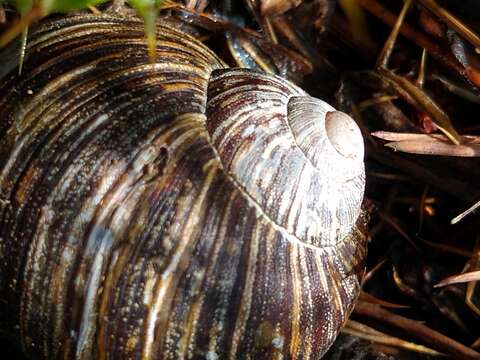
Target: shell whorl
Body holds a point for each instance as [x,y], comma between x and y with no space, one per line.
[297,157]
[127,227]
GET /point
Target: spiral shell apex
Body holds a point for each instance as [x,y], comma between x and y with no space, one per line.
[175,210]
[286,149]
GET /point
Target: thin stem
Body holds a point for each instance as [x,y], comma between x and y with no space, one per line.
[471,209]
[387,17]
[429,336]
[23,49]
[452,21]
[390,43]
[421,71]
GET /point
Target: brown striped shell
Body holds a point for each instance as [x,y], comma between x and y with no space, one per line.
[175,210]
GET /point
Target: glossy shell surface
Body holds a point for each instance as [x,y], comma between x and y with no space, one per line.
[175,210]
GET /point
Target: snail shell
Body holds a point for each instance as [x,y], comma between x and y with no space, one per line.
[175,210]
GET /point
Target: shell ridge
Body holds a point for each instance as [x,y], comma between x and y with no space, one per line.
[254,203]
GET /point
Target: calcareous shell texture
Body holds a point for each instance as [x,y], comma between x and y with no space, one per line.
[170,210]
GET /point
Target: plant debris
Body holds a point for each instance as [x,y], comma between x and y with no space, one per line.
[409,74]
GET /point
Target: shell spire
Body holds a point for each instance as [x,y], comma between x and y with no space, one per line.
[295,156]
